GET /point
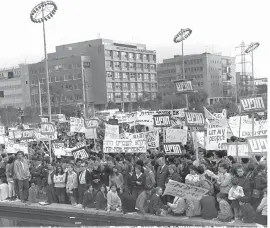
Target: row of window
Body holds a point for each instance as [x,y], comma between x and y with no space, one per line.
[186,62]
[129,55]
[187,70]
[59,78]
[112,96]
[130,66]
[131,86]
[68,98]
[56,68]
[198,76]
[130,76]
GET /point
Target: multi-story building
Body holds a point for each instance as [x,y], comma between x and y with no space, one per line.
[213,73]
[244,84]
[121,73]
[14,87]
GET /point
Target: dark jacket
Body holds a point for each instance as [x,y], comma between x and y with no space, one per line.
[89,199]
[161,176]
[141,180]
[249,215]
[101,201]
[128,180]
[175,177]
[46,177]
[155,205]
[87,177]
[96,175]
[128,203]
[209,210]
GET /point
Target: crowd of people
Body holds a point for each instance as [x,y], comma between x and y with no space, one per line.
[135,183]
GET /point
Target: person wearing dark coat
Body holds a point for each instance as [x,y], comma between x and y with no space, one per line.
[128,201]
[209,210]
[156,205]
[162,173]
[138,182]
[129,176]
[84,179]
[248,213]
[89,198]
[49,184]
[101,198]
[96,176]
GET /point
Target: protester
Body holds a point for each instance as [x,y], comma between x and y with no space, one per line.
[3,190]
[113,200]
[101,198]
[247,211]
[225,214]
[59,180]
[89,198]
[262,209]
[178,206]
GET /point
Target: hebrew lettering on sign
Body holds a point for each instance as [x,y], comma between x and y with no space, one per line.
[194,119]
[252,104]
[184,86]
[258,144]
[172,148]
[162,120]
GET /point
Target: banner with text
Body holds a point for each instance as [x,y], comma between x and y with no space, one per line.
[183,86]
[194,119]
[162,120]
[252,104]
[124,146]
[172,148]
[258,145]
[175,135]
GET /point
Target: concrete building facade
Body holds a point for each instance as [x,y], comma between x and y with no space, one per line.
[14,87]
[213,73]
[121,73]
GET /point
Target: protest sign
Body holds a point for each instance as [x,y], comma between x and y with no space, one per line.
[13,148]
[171,135]
[200,138]
[140,135]
[162,120]
[47,128]
[27,134]
[174,188]
[183,86]
[44,120]
[76,124]
[252,104]
[260,128]
[216,138]
[61,118]
[172,148]
[59,149]
[243,150]
[91,123]
[194,119]
[174,113]
[113,121]
[41,137]
[124,146]
[111,131]
[258,145]
[90,133]
[152,139]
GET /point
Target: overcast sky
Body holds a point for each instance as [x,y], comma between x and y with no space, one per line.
[218,26]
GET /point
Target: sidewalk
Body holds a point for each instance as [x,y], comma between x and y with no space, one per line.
[65,211]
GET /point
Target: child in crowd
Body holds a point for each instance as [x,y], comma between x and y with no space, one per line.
[249,215]
[235,193]
[33,193]
[89,198]
[113,200]
[3,190]
[225,214]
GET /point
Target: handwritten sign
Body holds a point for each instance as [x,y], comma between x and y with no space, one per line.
[111,131]
[13,148]
[91,123]
[185,191]
[252,104]
[27,134]
[44,120]
[194,119]
[152,139]
[172,148]
[76,124]
[183,86]
[47,128]
[175,135]
[241,151]
[258,144]
[124,146]
[162,120]
[216,138]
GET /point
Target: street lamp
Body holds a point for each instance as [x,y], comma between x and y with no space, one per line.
[182,35]
[250,49]
[39,14]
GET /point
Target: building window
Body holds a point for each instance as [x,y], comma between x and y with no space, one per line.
[139,66]
[153,77]
[140,95]
[146,77]
[77,76]
[124,65]
[42,70]
[124,55]
[139,86]
[68,87]
[124,76]
[145,66]
[132,76]
[152,67]
[109,85]
[69,98]
[68,77]
[109,64]
[58,67]
[146,86]
[117,76]
[108,53]
[78,97]
[139,78]
[132,86]
[118,95]
[116,54]
[131,65]
[139,56]
[133,95]
[116,64]
[118,85]
[125,86]
[51,79]
[153,86]
[126,95]
[154,95]
[131,55]
[42,80]
[109,74]
[78,65]
[110,96]
[145,57]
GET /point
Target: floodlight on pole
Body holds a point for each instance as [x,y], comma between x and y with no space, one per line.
[39,14]
[182,35]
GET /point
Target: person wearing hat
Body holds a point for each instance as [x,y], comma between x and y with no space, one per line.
[22,173]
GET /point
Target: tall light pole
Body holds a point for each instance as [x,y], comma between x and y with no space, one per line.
[39,14]
[182,35]
[250,49]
